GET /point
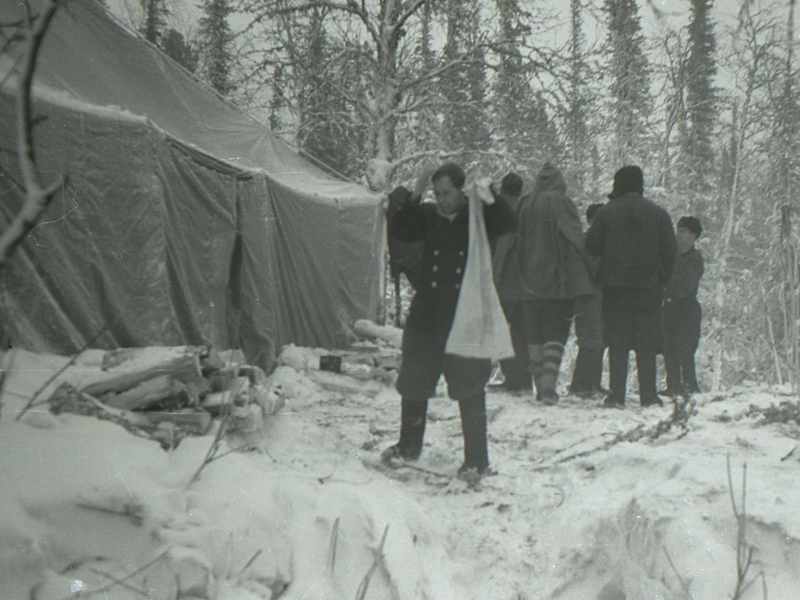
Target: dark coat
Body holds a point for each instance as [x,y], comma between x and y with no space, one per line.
[444,256]
[505,264]
[550,241]
[635,241]
[404,257]
[685,281]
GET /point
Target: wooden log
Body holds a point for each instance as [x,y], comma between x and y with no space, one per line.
[183,368]
[187,419]
[147,393]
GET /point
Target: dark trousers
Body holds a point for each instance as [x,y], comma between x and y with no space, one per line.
[515,370]
[588,371]
[424,360]
[631,321]
[680,324]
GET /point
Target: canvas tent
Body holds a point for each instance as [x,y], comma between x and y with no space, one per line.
[183,221]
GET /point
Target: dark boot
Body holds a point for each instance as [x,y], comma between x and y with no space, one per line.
[672,364]
[646,367]
[412,431]
[588,371]
[515,371]
[536,366]
[618,377]
[689,375]
[473,429]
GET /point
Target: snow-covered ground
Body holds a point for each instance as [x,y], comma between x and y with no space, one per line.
[588,503]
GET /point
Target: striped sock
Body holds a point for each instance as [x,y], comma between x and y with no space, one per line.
[553,351]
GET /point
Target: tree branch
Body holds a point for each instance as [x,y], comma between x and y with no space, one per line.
[37,197]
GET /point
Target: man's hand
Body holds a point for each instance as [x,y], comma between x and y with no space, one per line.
[483,187]
[421,183]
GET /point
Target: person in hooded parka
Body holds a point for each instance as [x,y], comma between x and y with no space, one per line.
[554,274]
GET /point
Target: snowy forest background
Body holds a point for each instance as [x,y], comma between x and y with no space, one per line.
[703,96]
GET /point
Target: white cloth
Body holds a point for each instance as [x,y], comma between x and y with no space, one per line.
[480,329]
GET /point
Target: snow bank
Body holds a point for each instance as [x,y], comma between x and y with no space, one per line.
[89,507]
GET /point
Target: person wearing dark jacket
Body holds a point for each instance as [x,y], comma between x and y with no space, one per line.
[553,275]
[681,313]
[634,239]
[508,282]
[588,372]
[443,229]
[404,257]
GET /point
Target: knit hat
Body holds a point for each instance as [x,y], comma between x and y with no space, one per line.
[627,179]
[592,211]
[692,224]
[511,184]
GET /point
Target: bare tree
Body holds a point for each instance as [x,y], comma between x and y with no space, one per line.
[37,196]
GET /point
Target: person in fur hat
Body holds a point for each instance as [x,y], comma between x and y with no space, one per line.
[681,313]
[554,274]
[443,228]
[635,241]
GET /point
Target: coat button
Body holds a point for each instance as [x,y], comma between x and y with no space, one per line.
[458,286]
[461,253]
[435,268]
[458,270]
[436,253]
[433,284]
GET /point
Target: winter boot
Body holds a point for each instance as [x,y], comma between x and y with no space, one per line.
[646,367]
[672,364]
[412,431]
[588,372]
[473,429]
[618,377]
[688,372]
[536,366]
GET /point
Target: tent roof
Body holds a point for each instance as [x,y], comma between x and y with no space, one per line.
[88,57]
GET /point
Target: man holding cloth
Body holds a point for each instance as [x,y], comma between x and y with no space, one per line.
[444,229]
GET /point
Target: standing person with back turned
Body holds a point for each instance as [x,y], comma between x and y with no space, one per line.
[637,248]
[554,274]
[588,373]
[443,228]
[508,281]
[681,313]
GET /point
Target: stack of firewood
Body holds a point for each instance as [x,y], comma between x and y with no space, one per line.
[167,393]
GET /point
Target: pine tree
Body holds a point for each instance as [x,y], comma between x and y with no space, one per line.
[700,68]
[630,74]
[215,35]
[523,129]
[326,131]
[463,84]
[155,20]
[577,99]
[174,45]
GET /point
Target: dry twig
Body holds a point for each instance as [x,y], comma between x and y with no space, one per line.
[678,575]
[212,450]
[744,551]
[37,197]
[116,581]
[362,589]
[69,363]
[332,546]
